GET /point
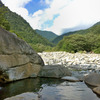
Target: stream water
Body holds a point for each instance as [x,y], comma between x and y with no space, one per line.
[51,89]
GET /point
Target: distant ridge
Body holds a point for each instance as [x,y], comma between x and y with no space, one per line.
[94,29]
[47,34]
[82,41]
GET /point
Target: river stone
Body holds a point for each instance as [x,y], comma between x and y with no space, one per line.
[54,71]
[97,90]
[92,79]
[24,96]
[17,59]
[70,78]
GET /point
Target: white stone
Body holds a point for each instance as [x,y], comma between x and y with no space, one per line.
[70,78]
[91,61]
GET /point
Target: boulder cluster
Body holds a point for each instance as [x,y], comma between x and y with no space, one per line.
[83,66]
[85,61]
[17,59]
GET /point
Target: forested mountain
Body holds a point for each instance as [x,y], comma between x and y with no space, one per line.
[94,29]
[22,28]
[47,34]
[85,40]
[3,22]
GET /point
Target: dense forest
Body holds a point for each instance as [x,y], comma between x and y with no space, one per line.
[47,34]
[3,22]
[85,40]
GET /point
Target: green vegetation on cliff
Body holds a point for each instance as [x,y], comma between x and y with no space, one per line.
[19,26]
[47,34]
[3,22]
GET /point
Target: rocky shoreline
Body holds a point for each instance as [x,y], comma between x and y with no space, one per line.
[84,61]
[83,67]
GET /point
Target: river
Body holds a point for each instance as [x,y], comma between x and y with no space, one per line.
[49,89]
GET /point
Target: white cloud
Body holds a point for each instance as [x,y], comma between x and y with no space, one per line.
[47,2]
[73,14]
[17,6]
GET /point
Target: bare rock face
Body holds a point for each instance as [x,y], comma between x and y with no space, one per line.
[17,59]
[54,71]
[97,90]
[92,79]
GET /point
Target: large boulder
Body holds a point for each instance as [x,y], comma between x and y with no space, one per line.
[24,96]
[92,79]
[54,71]
[17,59]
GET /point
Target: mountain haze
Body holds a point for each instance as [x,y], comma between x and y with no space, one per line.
[47,34]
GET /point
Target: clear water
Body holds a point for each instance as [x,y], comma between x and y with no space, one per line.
[49,89]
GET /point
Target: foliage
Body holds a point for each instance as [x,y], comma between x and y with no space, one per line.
[40,47]
[47,34]
[75,43]
[79,41]
[96,50]
[3,22]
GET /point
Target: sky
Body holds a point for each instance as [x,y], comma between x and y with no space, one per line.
[58,16]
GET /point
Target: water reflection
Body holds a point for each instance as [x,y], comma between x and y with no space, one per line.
[11,89]
[51,89]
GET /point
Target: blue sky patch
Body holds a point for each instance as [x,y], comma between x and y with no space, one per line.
[49,23]
[35,5]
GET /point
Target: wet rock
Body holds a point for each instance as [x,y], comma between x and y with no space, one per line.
[97,90]
[54,71]
[92,79]
[17,59]
[70,78]
[24,96]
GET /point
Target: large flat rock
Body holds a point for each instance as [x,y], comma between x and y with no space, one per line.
[92,79]
[54,71]
[17,59]
[24,96]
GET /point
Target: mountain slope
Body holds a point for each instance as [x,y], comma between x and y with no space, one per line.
[87,40]
[22,28]
[47,34]
[94,29]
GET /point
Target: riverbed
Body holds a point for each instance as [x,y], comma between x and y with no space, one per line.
[49,89]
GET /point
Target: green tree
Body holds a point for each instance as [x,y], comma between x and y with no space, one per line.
[3,22]
[75,43]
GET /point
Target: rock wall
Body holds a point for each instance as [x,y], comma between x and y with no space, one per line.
[17,59]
